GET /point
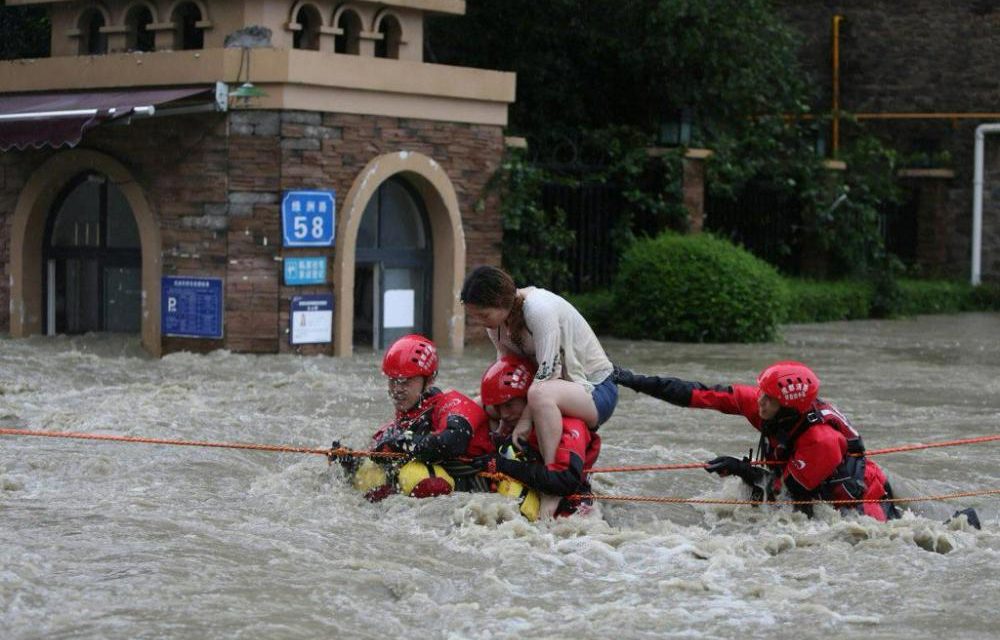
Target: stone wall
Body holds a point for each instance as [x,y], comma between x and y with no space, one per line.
[922,56]
[215,184]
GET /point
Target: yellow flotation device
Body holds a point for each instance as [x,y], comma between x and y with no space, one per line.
[527,498]
[370,475]
[414,472]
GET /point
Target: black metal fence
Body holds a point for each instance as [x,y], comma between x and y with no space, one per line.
[591,213]
[764,221]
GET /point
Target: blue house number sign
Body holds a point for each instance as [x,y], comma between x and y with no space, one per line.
[308,218]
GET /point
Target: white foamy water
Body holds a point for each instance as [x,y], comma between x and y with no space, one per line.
[109,540]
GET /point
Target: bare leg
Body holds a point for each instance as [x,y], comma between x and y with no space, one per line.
[548,402]
[547,506]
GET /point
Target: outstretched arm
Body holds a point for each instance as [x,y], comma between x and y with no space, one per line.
[733,399]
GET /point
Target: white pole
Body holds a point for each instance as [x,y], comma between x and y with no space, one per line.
[977,199]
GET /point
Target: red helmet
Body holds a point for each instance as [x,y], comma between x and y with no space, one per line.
[412,355]
[793,384]
[509,377]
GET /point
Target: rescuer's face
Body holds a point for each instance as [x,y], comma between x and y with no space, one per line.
[405,392]
[767,406]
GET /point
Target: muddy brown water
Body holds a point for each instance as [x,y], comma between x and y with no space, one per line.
[105,540]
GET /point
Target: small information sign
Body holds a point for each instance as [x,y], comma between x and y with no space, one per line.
[191,307]
[308,218]
[300,271]
[312,319]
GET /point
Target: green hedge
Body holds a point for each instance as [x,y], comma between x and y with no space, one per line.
[811,301]
[986,297]
[598,307]
[695,288]
[702,289]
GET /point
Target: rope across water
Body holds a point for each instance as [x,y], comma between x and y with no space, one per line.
[343,451]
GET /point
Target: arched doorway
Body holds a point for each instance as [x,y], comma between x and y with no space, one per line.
[393,267]
[92,260]
[438,200]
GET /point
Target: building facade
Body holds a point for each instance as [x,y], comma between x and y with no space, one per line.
[166,141]
[917,74]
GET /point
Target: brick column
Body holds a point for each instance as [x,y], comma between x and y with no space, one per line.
[693,187]
[932,219]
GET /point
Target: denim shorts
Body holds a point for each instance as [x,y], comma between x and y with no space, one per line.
[605,399]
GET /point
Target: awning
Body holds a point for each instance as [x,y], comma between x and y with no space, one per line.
[37,120]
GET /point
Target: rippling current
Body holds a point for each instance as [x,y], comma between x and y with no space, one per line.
[113,540]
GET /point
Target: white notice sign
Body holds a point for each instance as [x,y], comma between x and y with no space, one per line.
[398,309]
[312,319]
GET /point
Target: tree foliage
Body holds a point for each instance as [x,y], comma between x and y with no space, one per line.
[597,79]
[24,32]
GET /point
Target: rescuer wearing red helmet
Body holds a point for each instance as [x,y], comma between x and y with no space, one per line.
[817,452]
[436,427]
[505,388]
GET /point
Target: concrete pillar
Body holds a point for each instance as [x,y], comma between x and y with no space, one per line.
[693,187]
[931,216]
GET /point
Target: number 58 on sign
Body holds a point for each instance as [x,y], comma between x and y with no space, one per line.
[308,218]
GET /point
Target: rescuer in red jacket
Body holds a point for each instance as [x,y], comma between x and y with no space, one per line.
[435,427]
[816,452]
[505,387]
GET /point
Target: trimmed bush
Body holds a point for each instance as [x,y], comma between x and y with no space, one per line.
[598,307]
[934,296]
[696,288]
[811,301]
[985,297]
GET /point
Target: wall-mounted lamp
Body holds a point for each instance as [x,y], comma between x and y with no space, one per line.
[676,131]
[246,92]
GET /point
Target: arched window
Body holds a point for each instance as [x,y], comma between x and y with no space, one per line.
[93,260]
[188,34]
[139,37]
[393,266]
[392,36]
[92,41]
[349,40]
[309,21]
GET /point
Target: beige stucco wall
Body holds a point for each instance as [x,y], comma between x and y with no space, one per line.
[220,19]
[294,79]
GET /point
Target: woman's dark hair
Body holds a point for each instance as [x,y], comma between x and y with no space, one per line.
[493,288]
[489,287]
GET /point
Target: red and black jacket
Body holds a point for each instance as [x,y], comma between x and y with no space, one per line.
[578,450]
[819,454]
[442,427]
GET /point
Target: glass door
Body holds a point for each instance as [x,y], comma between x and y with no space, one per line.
[393,268]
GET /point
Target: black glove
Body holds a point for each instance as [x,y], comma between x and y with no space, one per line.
[730,466]
[486,463]
[622,377]
[397,440]
[349,463]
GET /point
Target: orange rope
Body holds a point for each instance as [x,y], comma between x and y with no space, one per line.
[342,451]
[673,500]
[932,445]
[873,452]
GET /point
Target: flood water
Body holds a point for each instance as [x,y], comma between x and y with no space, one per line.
[114,540]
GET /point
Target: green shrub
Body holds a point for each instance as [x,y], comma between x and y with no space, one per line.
[598,307]
[696,288]
[934,296]
[985,297]
[812,301]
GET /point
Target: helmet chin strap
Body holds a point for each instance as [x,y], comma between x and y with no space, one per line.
[784,423]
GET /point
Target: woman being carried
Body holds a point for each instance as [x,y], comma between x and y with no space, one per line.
[574,374]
